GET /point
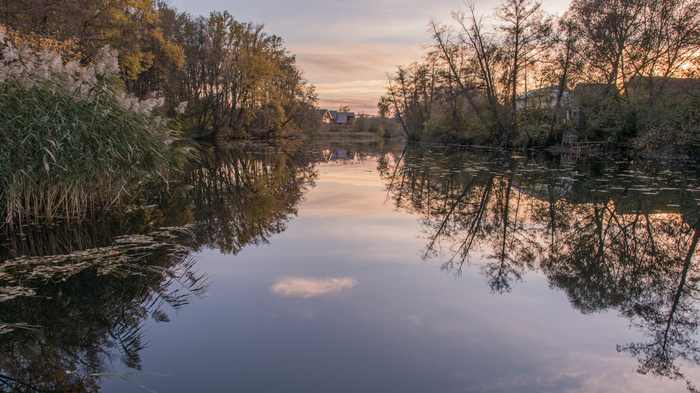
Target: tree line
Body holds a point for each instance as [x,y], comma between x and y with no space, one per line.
[218,76]
[606,70]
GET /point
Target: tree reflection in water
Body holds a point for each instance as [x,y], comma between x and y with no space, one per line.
[610,237]
[243,195]
[89,307]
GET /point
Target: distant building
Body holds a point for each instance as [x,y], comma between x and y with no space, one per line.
[335,117]
[337,155]
[545,97]
[345,118]
[326,117]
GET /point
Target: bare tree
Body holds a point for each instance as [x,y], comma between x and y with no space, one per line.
[526,30]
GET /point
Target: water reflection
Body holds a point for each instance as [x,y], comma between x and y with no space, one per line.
[612,237]
[242,195]
[619,237]
[88,309]
[307,287]
[66,317]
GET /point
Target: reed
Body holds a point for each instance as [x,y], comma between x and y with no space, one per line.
[71,141]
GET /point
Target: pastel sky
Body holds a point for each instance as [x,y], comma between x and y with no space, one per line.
[347,47]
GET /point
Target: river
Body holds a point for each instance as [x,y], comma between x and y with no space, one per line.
[368,266]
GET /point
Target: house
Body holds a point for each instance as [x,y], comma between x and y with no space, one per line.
[544,101]
[345,118]
[545,97]
[335,117]
[326,117]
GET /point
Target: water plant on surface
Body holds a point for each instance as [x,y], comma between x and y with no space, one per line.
[73,315]
[122,259]
[71,140]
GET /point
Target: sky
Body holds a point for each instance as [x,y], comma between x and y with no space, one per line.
[346,48]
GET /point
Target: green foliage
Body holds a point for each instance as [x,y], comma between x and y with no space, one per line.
[131,27]
[239,80]
[672,128]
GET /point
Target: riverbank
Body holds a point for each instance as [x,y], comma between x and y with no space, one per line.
[73,142]
[341,132]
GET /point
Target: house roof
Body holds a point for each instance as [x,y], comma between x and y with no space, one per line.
[542,91]
[344,116]
[663,85]
[587,88]
[587,93]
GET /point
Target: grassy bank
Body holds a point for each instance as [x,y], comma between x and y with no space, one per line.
[363,128]
[71,141]
[342,133]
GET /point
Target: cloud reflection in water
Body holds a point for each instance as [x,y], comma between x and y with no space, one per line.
[307,287]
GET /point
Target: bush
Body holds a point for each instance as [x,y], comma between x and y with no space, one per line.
[669,123]
[382,126]
[71,140]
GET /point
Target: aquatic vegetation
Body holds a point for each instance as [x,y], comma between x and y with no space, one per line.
[125,257]
[71,140]
[74,314]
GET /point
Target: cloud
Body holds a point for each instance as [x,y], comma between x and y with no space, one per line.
[367,106]
[347,61]
[361,96]
[307,287]
[352,74]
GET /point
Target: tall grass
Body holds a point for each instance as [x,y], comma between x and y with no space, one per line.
[71,141]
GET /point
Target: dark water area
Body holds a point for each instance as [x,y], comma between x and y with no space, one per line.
[367,266]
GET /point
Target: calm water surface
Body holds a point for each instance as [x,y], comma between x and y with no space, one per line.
[377,267]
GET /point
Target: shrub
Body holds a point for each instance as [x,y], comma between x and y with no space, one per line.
[382,126]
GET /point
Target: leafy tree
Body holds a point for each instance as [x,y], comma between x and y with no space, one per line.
[237,80]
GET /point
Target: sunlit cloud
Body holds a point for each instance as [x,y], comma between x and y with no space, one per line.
[350,73]
[350,61]
[361,96]
[307,287]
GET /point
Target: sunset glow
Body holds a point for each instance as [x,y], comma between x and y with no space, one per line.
[347,48]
